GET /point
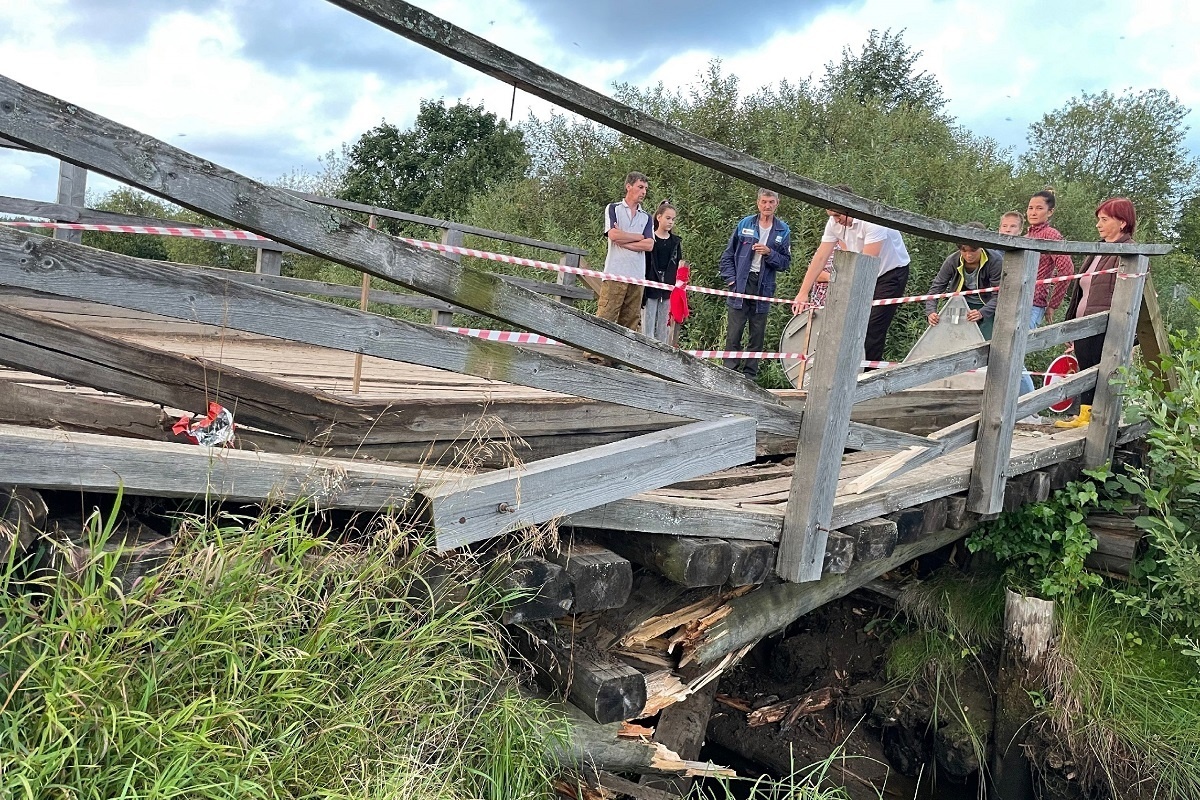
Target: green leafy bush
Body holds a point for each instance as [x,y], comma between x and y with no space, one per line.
[1042,546]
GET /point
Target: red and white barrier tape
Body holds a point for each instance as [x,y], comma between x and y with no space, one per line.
[194,233]
[217,233]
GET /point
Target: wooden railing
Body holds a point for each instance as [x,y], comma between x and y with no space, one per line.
[664,381]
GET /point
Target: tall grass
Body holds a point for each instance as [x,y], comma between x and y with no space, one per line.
[1126,702]
[263,661]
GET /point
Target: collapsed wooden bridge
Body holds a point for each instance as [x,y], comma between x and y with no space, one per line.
[653,468]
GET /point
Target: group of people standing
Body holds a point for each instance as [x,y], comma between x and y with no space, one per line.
[645,246]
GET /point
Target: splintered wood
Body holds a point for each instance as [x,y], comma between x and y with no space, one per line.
[789,711]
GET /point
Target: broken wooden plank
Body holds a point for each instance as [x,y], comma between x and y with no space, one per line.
[910,374]
[472,508]
[35,262]
[88,139]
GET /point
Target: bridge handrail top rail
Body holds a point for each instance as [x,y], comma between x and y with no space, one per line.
[378,211]
[474,51]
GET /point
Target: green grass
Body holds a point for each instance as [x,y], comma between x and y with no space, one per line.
[264,661]
[1126,701]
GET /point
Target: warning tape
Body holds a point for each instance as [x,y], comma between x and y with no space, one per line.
[519,337]
[218,233]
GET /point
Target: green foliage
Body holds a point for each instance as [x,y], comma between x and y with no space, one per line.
[138,204]
[884,73]
[1133,145]
[1126,702]
[264,661]
[434,169]
[1169,486]
[1042,546]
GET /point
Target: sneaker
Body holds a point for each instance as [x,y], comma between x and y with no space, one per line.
[1033,419]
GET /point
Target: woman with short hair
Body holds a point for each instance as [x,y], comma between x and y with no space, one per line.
[1116,221]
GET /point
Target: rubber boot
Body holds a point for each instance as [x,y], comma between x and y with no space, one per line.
[1085,416]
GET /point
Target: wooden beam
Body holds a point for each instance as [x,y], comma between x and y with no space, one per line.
[600,578]
[466,48]
[606,690]
[474,508]
[35,262]
[679,517]
[48,459]
[752,562]
[1062,332]
[775,606]
[826,418]
[546,588]
[1005,365]
[1116,356]
[688,561]
[882,382]
[87,139]
[1152,335]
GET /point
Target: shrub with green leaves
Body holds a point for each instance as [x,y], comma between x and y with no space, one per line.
[1042,546]
[264,661]
[1169,485]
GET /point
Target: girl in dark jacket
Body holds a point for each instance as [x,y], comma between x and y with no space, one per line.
[1116,221]
[662,265]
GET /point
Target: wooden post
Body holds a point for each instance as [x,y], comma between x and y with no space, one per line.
[566,278]
[72,191]
[364,300]
[1006,361]
[453,237]
[1118,347]
[269,262]
[1152,334]
[1028,630]
[826,418]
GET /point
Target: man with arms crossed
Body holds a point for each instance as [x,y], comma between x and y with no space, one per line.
[630,233]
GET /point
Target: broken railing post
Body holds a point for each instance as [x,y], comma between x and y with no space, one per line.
[72,191]
[1006,362]
[826,419]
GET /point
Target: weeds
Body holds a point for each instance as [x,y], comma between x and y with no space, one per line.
[263,661]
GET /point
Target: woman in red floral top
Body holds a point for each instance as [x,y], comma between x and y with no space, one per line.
[1046,297]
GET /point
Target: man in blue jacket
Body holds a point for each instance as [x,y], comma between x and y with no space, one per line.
[761,246]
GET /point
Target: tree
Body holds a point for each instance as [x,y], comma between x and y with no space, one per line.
[883,72]
[434,169]
[1130,145]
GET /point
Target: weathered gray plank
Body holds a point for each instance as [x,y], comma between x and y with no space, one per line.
[860,436]
[82,137]
[915,373]
[680,517]
[72,191]
[474,508]
[1005,364]
[1062,332]
[456,43]
[48,459]
[826,418]
[269,261]
[31,261]
[1152,334]
[1116,355]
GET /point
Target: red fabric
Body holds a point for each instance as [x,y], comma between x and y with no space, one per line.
[1051,266]
[679,305]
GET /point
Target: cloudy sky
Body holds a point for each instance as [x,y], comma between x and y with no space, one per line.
[266,87]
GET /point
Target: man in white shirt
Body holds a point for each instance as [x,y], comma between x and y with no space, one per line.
[857,236]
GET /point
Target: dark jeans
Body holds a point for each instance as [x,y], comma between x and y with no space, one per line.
[739,319]
[889,284]
[1087,353]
